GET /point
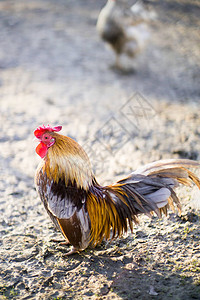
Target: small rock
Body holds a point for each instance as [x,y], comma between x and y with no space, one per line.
[104,290]
[152,291]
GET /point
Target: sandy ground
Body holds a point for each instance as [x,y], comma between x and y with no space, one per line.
[54,69]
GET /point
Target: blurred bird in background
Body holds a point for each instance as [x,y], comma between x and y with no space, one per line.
[86,212]
[125,30]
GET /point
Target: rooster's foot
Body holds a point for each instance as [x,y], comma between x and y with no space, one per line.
[122,70]
[61,242]
[72,251]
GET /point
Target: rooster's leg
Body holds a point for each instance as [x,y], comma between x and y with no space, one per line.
[118,62]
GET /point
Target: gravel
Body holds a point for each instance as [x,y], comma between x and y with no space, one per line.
[54,69]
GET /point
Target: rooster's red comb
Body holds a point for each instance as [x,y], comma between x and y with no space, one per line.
[41,130]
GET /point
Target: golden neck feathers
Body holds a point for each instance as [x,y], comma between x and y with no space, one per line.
[66,160]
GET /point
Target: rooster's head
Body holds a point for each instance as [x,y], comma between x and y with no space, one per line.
[45,135]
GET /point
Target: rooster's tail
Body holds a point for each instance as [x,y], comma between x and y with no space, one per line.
[149,189]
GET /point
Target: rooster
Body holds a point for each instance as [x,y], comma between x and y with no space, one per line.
[126,33]
[86,212]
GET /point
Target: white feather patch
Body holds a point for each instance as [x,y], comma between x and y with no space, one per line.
[160,197]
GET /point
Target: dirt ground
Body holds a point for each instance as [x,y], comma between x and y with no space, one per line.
[55,70]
